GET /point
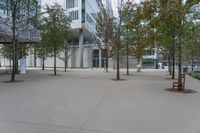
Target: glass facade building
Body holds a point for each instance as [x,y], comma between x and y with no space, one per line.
[83,14]
[83,51]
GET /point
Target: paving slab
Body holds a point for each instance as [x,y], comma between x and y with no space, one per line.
[88,101]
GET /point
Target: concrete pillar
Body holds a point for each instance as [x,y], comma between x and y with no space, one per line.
[99,58]
[81,48]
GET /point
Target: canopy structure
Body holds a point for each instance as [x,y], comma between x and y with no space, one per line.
[28,36]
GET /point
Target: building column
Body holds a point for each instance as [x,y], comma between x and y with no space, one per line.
[99,58]
[81,48]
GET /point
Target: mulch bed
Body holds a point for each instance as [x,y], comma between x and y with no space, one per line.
[185,91]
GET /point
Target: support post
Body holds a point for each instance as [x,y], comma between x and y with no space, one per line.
[81,48]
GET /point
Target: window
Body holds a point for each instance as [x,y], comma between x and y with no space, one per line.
[73,15]
[150,52]
[83,15]
[71,3]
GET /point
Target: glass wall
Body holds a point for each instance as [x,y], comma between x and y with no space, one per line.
[91,10]
[71,3]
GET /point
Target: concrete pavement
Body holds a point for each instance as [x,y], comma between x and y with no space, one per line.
[88,101]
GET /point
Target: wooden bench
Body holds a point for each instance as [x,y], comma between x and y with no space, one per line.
[179,86]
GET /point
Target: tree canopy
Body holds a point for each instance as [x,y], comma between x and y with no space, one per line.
[55,29]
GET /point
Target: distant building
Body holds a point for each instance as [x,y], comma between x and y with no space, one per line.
[150,58]
[83,14]
[83,50]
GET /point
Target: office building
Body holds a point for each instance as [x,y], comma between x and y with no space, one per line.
[83,50]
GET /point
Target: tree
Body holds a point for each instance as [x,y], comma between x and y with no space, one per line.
[127,10]
[142,27]
[174,15]
[19,13]
[104,29]
[55,28]
[167,29]
[41,52]
[192,38]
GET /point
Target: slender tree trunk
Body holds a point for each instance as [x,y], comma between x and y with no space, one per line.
[43,62]
[173,62]
[55,59]
[127,52]
[170,64]
[14,60]
[173,67]
[118,48]
[127,57]
[180,88]
[106,57]
[118,71]
[157,58]
[156,63]
[16,57]
[192,60]
[66,58]
[173,54]
[14,45]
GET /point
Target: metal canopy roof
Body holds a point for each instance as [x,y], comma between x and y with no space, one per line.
[23,37]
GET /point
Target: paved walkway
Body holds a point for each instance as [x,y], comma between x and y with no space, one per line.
[90,102]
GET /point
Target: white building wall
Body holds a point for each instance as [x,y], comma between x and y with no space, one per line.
[87,56]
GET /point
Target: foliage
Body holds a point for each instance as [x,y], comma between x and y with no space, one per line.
[105,27]
[55,29]
[141,26]
[21,12]
[195,74]
[147,62]
[18,14]
[191,41]
[105,31]
[6,51]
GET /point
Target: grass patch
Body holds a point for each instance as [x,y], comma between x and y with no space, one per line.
[195,74]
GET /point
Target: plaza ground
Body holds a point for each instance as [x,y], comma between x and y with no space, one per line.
[88,101]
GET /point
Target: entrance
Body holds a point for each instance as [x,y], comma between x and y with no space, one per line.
[98,61]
